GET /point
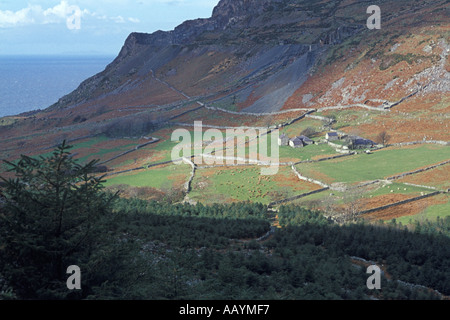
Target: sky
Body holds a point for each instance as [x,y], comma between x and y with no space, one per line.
[100,27]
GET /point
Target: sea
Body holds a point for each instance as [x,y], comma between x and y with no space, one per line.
[29,83]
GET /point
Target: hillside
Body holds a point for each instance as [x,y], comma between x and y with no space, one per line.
[355,122]
[265,64]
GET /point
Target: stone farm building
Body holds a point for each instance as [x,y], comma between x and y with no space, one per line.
[300,142]
[283,140]
[332,136]
[361,143]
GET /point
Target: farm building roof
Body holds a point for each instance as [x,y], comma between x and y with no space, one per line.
[361,141]
[297,141]
[305,138]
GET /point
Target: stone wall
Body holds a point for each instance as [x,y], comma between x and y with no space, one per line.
[274,203]
[185,112]
[443,143]
[320,118]
[182,124]
[243,161]
[131,150]
[188,184]
[357,105]
[296,119]
[257,114]
[420,186]
[417,171]
[400,202]
[309,179]
[327,158]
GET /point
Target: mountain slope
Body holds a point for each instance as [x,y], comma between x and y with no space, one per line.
[258,57]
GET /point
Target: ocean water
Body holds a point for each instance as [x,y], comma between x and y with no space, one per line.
[36,82]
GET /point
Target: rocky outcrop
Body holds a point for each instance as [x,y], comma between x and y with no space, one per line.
[229,13]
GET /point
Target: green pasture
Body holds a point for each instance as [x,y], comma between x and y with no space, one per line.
[172,176]
[308,153]
[378,165]
[244,184]
[397,188]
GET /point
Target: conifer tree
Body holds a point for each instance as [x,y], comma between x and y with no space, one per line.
[49,222]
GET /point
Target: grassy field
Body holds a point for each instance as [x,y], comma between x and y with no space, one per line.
[312,152]
[398,188]
[229,184]
[379,165]
[164,177]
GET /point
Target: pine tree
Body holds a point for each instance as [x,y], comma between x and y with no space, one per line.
[49,222]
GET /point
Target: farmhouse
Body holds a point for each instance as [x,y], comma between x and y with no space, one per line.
[306,140]
[332,136]
[300,142]
[361,143]
[296,142]
[283,140]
